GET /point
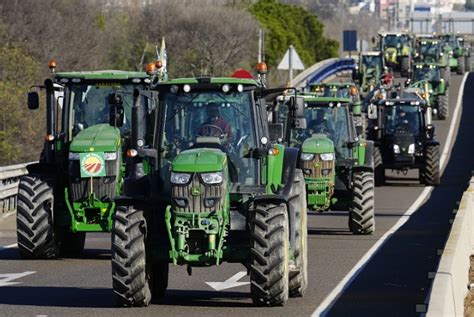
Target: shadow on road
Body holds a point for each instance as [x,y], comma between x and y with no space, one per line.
[88,254]
[395,280]
[200,298]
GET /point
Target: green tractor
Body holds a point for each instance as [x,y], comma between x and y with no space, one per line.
[337,162]
[397,51]
[346,89]
[459,56]
[70,191]
[369,72]
[206,187]
[428,77]
[430,51]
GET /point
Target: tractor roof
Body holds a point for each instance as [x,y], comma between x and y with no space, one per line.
[393,33]
[211,80]
[316,99]
[427,65]
[334,84]
[403,101]
[371,53]
[103,75]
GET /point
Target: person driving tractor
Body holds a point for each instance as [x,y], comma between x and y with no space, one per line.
[215,125]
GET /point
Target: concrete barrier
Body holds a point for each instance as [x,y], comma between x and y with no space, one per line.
[450,285]
[9,180]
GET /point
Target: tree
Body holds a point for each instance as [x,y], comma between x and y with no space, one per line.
[290,24]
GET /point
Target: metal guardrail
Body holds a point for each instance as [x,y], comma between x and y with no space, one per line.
[323,70]
[9,180]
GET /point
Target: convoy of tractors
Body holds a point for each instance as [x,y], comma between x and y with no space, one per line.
[206,170]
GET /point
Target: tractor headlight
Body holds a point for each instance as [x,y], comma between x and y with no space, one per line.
[327,156]
[212,178]
[411,148]
[326,171]
[307,156]
[74,156]
[110,156]
[396,149]
[180,178]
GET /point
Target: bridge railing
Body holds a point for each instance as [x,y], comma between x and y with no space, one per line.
[9,180]
[323,70]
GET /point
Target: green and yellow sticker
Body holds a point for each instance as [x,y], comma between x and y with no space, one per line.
[92,164]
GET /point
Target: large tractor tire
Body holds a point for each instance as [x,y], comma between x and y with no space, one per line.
[379,170]
[71,244]
[405,66]
[362,212]
[446,74]
[468,64]
[298,278]
[443,106]
[131,274]
[34,220]
[430,173]
[269,265]
[461,66]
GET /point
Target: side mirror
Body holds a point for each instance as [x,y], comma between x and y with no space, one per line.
[299,107]
[430,131]
[33,100]
[407,82]
[275,131]
[372,112]
[116,111]
[373,39]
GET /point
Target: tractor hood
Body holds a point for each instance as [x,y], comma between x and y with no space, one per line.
[200,160]
[98,138]
[318,143]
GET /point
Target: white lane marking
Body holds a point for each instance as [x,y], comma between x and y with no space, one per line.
[231,282]
[14,245]
[331,299]
[6,279]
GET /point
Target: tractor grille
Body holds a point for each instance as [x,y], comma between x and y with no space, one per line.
[210,197]
[102,187]
[314,168]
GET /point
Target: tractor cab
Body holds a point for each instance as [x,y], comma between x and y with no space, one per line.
[402,131]
[370,71]
[429,51]
[397,50]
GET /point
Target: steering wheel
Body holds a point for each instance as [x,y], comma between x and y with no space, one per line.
[208,128]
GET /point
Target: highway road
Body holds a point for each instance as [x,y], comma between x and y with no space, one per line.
[386,274]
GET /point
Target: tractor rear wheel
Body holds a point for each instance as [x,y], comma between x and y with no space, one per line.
[269,255]
[430,173]
[72,244]
[461,66]
[34,219]
[468,64]
[379,170]
[130,271]
[446,74]
[298,278]
[362,212]
[405,66]
[443,106]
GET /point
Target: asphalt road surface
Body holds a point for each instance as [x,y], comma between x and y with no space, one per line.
[386,274]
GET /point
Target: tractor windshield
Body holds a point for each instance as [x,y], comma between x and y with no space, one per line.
[214,119]
[324,119]
[427,73]
[402,119]
[391,40]
[429,48]
[371,61]
[449,40]
[89,104]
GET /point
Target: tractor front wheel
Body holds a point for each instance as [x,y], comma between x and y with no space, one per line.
[131,274]
[443,106]
[362,212]
[34,219]
[461,66]
[379,170]
[468,64]
[430,173]
[298,278]
[269,255]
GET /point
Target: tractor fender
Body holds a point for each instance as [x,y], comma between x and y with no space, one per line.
[48,171]
[290,160]
[369,158]
[431,142]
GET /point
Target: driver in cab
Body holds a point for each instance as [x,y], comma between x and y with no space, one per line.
[320,124]
[215,125]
